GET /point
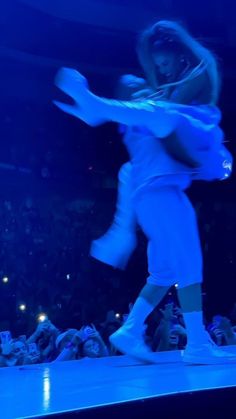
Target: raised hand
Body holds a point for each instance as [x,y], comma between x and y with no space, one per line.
[82,334]
[92,332]
[42,327]
[167,313]
[73,83]
[7,348]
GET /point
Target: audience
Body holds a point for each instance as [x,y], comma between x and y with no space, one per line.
[222,331]
[48,344]
[45,268]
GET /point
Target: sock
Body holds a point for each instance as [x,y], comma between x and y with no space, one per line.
[136,318]
[196,332]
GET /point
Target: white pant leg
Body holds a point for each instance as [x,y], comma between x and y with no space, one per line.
[119,242]
[168,219]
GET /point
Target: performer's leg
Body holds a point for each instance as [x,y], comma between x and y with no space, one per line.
[190,305]
[149,297]
[119,242]
[200,348]
[129,338]
[190,272]
[153,294]
[190,299]
[174,256]
[155,222]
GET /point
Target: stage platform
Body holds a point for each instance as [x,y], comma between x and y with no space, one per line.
[118,387]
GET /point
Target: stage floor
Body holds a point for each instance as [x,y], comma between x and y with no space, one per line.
[39,390]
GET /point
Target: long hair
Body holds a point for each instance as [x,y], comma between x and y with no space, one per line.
[170,36]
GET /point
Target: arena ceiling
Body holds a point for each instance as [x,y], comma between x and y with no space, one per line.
[96,36]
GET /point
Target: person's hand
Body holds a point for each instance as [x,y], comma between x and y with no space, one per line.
[136,88]
[51,343]
[224,324]
[32,359]
[180,330]
[221,323]
[51,328]
[7,348]
[87,332]
[167,312]
[177,311]
[92,332]
[218,332]
[142,94]
[222,328]
[81,334]
[132,81]
[42,327]
[33,356]
[217,335]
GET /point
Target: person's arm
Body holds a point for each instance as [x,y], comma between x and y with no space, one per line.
[230,337]
[39,330]
[67,353]
[70,349]
[226,327]
[103,348]
[197,88]
[152,115]
[174,146]
[163,333]
[45,353]
[163,330]
[179,315]
[34,337]
[8,357]
[94,334]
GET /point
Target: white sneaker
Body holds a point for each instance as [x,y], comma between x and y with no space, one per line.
[207,354]
[115,247]
[129,344]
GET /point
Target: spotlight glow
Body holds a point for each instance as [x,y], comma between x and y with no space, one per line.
[22,307]
[42,317]
[5,280]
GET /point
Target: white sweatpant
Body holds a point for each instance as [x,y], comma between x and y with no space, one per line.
[168,220]
[116,246]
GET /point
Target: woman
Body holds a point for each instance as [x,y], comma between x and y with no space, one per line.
[172,137]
